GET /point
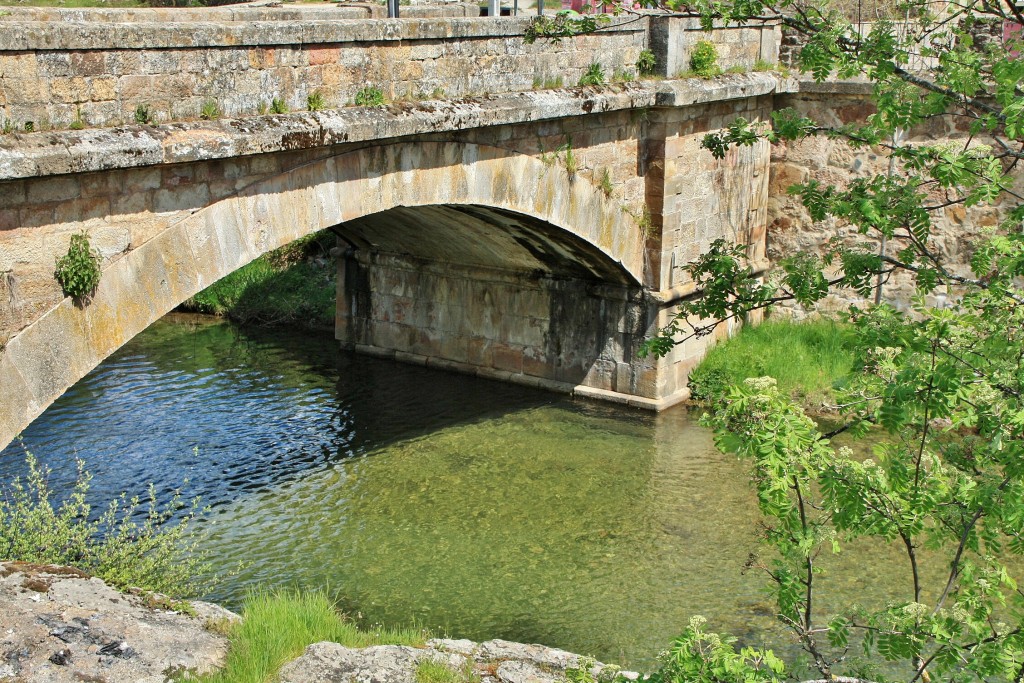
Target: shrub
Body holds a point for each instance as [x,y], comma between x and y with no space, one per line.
[370,96]
[315,101]
[78,271]
[154,554]
[704,59]
[594,75]
[646,63]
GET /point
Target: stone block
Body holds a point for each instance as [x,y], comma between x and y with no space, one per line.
[52,353]
[74,89]
[536,363]
[80,214]
[323,54]
[88,63]
[56,189]
[507,357]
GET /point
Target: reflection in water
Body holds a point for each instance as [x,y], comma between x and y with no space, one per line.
[474,508]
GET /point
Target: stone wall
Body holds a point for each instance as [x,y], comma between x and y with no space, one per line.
[61,68]
[835,162]
[55,74]
[739,47]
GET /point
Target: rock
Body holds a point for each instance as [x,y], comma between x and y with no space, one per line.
[462,646]
[514,671]
[59,624]
[495,661]
[498,650]
[323,662]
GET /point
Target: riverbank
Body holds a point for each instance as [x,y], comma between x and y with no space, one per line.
[810,360]
[293,285]
[61,625]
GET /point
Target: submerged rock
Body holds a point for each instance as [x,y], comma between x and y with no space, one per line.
[59,624]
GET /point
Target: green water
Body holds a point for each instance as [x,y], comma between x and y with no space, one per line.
[595,532]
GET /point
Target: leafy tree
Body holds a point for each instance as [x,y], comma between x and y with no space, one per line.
[946,384]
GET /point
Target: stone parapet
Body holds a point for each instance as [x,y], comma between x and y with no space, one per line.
[56,74]
[237,13]
[158,35]
[54,153]
[738,46]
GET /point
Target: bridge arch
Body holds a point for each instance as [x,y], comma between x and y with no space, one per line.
[47,357]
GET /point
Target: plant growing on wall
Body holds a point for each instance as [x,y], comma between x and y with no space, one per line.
[594,75]
[370,96]
[278,106]
[704,59]
[646,63]
[78,271]
[315,101]
[210,111]
[143,115]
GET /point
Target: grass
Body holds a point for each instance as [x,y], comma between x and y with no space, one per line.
[807,359]
[434,671]
[294,284]
[277,626]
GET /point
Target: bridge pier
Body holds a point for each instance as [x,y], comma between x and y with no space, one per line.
[564,334]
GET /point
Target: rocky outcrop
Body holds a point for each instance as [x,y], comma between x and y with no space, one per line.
[494,661]
[59,624]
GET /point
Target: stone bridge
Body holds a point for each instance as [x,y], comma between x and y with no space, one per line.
[502,226]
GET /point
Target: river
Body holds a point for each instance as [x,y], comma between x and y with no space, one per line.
[473,508]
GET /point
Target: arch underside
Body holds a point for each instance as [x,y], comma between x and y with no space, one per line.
[420,207]
[484,237]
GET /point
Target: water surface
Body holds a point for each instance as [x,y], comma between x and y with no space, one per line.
[473,508]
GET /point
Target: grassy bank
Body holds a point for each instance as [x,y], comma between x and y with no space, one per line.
[808,359]
[278,626]
[293,285]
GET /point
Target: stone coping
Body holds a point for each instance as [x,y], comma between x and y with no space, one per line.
[86,35]
[232,13]
[26,155]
